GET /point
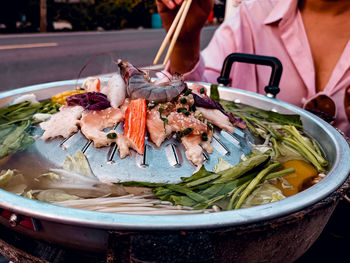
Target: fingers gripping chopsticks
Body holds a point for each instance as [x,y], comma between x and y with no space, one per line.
[173,32]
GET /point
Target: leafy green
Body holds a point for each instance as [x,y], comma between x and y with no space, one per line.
[206,189]
[214,92]
[283,132]
[15,138]
[5,177]
[15,123]
[12,181]
[78,164]
[247,111]
[54,195]
[221,165]
[242,168]
[263,194]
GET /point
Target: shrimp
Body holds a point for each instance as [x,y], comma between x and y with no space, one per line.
[139,84]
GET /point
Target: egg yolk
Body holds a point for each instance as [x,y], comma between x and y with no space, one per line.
[304,173]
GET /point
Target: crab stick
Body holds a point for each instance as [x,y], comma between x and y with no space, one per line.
[135,124]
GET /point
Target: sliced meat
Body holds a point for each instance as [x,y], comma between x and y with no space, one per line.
[123,145]
[180,122]
[217,118]
[197,88]
[64,123]
[93,122]
[158,129]
[194,146]
[194,151]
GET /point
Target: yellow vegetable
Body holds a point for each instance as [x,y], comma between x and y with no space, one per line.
[300,179]
[61,97]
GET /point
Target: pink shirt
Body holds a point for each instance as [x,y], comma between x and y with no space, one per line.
[272,28]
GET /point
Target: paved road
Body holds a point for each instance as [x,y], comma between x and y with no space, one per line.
[38,58]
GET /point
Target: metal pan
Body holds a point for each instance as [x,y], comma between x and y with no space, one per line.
[92,230]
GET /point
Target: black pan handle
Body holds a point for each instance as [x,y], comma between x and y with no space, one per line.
[272,89]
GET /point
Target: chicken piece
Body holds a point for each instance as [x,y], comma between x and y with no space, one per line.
[93,122]
[157,128]
[217,118]
[64,123]
[194,151]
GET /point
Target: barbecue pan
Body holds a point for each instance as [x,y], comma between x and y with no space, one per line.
[273,232]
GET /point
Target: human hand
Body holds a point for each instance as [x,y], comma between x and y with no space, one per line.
[347,102]
[195,20]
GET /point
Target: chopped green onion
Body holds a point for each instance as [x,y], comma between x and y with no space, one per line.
[204,136]
[151,105]
[188,92]
[184,111]
[183,100]
[179,134]
[187,131]
[112,135]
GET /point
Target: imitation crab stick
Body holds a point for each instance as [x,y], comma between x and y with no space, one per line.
[135,124]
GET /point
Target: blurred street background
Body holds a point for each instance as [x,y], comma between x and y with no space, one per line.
[75,33]
[27,59]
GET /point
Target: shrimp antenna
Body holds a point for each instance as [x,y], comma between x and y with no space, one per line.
[149,68]
[92,59]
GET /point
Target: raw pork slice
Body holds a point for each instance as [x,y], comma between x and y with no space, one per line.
[93,122]
[180,122]
[158,129]
[63,123]
[217,118]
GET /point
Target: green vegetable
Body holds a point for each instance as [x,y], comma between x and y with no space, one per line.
[203,180]
[235,194]
[214,92]
[247,111]
[187,131]
[5,177]
[300,143]
[55,195]
[15,123]
[254,183]
[78,163]
[187,92]
[241,168]
[183,111]
[202,172]
[14,138]
[263,194]
[280,173]
[204,189]
[112,135]
[183,100]
[204,136]
[151,105]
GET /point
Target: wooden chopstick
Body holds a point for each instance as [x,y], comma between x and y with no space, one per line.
[170,33]
[176,25]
